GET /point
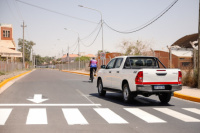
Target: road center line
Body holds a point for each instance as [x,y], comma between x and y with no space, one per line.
[85,96]
[47,105]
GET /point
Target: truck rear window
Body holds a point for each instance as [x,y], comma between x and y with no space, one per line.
[141,62]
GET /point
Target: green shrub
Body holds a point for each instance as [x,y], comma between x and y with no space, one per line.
[191,78]
[1,73]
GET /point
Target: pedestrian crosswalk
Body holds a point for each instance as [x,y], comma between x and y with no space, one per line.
[74,116]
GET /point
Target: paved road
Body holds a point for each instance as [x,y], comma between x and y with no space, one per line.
[71,104]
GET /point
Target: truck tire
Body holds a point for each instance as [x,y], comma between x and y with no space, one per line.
[165,97]
[101,91]
[127,95]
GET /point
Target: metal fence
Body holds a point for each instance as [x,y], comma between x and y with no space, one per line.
[7,67]
[84,65]
[73,66]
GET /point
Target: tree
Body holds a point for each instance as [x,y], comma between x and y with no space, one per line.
[39,60]
[83,58]
[27,47]
[135,48]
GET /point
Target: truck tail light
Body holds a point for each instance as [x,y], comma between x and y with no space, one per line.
[139,78]
[179,77]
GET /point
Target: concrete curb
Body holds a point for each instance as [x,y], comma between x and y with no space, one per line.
[9,79]
[77,72]
[186,97]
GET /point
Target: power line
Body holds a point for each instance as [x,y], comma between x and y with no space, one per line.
[93,40]
[146,24]
[55,12]
[91,32]
[18,10]
[75,49]
[74,44]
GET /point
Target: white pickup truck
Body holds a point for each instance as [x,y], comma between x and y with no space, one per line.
[138,75]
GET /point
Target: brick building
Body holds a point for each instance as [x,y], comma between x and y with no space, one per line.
[7,44]
[182,53]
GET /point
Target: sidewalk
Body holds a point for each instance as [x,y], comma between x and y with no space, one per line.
[187,93]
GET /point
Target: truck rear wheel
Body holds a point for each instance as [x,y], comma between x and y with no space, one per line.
[127,95]
[165,97]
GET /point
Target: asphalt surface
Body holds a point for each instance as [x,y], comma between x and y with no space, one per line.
[73,105]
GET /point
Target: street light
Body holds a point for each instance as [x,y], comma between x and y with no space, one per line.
[78,45]
[101,24]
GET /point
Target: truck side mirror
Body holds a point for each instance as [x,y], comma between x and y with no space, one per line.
[103,66]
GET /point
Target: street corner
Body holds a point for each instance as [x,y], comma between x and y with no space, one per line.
[186,97]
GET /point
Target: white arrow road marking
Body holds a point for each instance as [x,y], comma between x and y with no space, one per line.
[37,98]
[4,114]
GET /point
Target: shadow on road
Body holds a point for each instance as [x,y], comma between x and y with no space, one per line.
[88,81]
[137,101]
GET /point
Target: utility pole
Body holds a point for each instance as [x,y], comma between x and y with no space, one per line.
[78,54]
[199,51]
[68,57]
[23,46]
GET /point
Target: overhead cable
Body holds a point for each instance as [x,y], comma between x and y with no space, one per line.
[92,31]
[93,40]
[55,12]
[146,24]
[74,49]
[74,44]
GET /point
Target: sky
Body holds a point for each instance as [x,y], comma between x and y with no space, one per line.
[47,27]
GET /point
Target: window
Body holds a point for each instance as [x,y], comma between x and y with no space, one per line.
[185,64]
[111,64]
[127,64]
[118,62]
[140,62]
[6,33]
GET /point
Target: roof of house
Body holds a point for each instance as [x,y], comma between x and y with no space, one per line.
[6,52]
[179,52]
[7,43]
[90,55]
[184,42]
[70,55]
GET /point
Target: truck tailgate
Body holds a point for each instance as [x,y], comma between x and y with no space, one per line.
[160,76]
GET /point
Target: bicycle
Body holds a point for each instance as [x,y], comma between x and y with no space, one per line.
[92,75]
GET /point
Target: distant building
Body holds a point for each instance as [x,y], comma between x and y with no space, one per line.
[7,44]
[181,53]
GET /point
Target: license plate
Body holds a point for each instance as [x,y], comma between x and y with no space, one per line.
[156,87]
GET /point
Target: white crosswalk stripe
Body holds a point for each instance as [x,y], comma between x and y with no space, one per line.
[144,115]
[73,116]
[110,116]
[177,115]
[37,116]
[4,114]
[197,111]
